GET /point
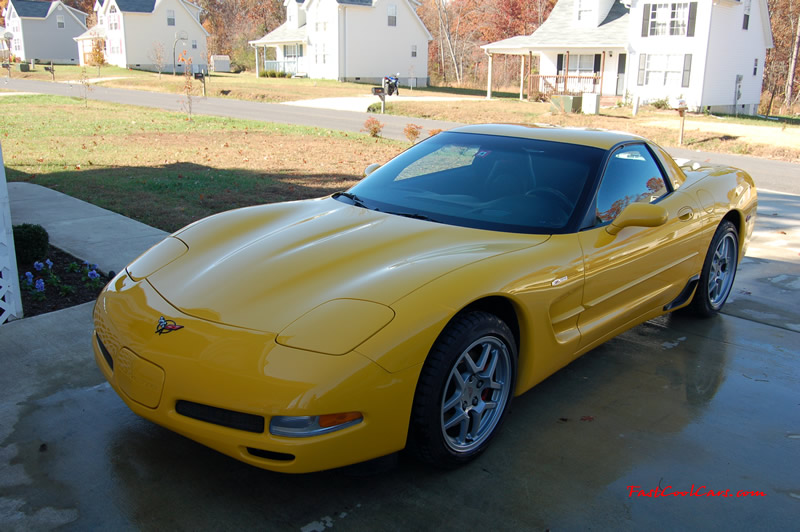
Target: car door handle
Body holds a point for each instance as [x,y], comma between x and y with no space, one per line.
[685,214]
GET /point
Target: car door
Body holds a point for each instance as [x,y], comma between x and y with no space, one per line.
[640,269]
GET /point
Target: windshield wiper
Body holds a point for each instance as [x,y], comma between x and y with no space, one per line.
[414,215]
[358,202]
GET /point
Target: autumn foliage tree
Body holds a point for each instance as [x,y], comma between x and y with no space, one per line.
[460,27]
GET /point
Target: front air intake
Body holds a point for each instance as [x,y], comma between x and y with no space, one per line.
[221,416]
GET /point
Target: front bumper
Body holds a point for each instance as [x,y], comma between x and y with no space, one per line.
[218,384]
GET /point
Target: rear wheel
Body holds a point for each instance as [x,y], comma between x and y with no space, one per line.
[464,390]
[719,271]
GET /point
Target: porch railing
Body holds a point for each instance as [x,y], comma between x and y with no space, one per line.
[566,84]
[290,67]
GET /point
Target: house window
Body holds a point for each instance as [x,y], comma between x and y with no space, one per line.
[673,18]
[583,64]
[755,67]
[679,16]
[100,20]
[659,19]
[392,15]
[113,21]
[16,45]
[746,21]
[584,9]
[170,17]
[324,55]
[665,70]
[292,51]
[413,50]
[60,21]
[194,45]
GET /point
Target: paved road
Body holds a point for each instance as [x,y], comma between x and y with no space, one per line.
[772,175]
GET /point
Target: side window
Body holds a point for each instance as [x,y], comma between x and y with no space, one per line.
[632,176]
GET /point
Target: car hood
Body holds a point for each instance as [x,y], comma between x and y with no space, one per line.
[263,267]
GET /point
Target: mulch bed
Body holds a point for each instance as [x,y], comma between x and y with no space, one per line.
[31,306]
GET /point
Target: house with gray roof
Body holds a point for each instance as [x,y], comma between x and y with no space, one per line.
[148,35]
[709,54]
[44,30]
[348,40]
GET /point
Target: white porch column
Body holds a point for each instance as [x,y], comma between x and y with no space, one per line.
[255,47]
[10,302]
[521,75]
[489,80]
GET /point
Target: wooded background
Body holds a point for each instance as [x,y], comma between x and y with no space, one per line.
[460,27]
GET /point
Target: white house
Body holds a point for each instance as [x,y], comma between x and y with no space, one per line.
[44,30]
[710,53]
[348,40]
[141,33]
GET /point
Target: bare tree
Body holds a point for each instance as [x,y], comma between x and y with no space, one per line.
[792,66]
[157,55]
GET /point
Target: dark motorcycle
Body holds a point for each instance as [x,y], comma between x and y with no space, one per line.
[392,84]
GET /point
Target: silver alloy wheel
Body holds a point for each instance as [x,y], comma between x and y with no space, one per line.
[476,394]
[722,271]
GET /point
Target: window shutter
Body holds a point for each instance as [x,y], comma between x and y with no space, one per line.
[692,18]
[642,63]
[646,21]
[746,22]
[687,70]
[596,63]
[560,63]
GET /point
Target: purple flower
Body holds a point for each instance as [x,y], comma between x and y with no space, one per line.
[39,285]
[49,264]
[38,266]
[93,275]
[29,277]
[93,267]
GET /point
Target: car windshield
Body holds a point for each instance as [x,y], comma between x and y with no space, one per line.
[483,181]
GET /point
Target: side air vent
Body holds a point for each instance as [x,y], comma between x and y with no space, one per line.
[106,354]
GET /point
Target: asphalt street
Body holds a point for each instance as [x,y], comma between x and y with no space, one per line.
[772,175]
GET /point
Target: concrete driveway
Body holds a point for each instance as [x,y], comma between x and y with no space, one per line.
[676,404]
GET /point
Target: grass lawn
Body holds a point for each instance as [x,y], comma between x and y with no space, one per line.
[165,171]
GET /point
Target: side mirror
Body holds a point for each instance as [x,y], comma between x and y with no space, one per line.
[371,168]
[638,215]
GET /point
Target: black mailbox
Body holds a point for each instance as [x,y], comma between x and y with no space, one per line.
[378,91]
[199,75]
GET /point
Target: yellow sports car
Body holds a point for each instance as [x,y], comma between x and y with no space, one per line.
[409,310]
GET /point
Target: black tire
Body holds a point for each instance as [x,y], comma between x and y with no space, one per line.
[464,390]
[718,273]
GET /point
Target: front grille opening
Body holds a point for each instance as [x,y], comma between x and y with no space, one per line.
[221,416]
[270,455]
[106,354]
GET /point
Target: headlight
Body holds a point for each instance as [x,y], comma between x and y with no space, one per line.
[156,258]
[336,327]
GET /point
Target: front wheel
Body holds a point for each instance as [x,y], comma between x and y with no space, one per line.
[719,271]
[464,390]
